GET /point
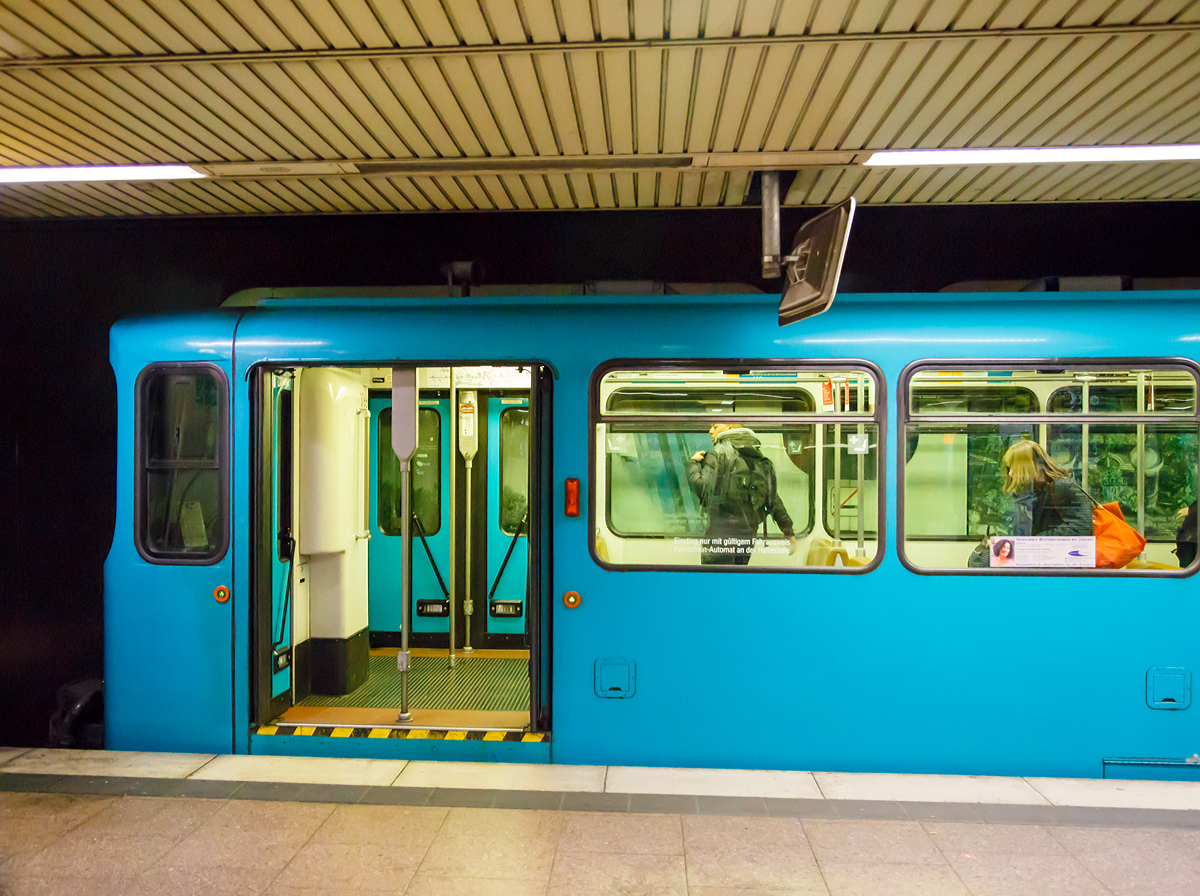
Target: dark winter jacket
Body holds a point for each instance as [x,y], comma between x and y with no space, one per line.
[708,480]
[1058,508]
[1185,539]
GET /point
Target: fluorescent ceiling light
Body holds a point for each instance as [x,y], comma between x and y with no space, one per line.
[96,173]
[1040,155]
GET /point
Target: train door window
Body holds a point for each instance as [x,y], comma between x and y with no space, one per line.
[514,469]
[183,464]
[717,469]
[992,480]
[426,474]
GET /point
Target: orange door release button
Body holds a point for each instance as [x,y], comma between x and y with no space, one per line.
[571,600]
[221,593]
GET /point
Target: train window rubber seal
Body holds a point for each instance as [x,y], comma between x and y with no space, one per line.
[878,418]
[223,463]
[904,417]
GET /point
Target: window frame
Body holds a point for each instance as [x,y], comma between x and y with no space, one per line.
[140,516]
[379,445]
[904,417]
[877,418]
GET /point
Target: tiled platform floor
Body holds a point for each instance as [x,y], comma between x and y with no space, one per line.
[72,844]
[112,823]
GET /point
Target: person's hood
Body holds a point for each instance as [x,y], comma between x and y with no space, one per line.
[741,438]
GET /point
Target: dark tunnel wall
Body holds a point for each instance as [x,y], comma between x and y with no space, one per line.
[62,284]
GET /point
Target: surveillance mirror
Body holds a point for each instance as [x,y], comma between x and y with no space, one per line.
[813,266]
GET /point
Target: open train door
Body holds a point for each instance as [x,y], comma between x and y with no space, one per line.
[540,588]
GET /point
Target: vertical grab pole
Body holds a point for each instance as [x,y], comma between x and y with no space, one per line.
[1087,459]
[453,589]
[862,498]
[837,466]
[468,446]
[468,603]
[1141,453]
[404,443]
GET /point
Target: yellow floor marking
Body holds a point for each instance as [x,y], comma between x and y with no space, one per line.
[341,732]
[417,734]
[531,739]
[380,732]
[268,729]
[494,735]
[305,730]
[456,735]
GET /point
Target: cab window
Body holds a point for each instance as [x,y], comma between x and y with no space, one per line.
[183,464]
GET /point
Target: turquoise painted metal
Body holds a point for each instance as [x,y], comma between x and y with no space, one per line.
[885,672]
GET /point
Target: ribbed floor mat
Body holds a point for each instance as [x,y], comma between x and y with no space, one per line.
[482,683]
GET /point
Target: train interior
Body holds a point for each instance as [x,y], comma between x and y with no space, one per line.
[336,546]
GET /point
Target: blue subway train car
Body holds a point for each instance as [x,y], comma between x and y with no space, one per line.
[574,589]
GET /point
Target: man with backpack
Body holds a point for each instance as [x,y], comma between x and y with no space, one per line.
[737,485]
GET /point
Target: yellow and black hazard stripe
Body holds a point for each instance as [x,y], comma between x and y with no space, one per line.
[404,733]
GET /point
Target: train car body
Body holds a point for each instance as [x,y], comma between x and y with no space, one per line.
[253,587]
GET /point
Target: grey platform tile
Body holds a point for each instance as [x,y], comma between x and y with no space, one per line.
[1088,816]
[670,803]
[1185,819]
[595,802]
[397,796]
[528,799]
[800,808]
[213,790]
[332,793]
[28,783]
[874,810]
[101,785]
[269,790]
[732,805]
[961,812]
[462,797]
[1015,813]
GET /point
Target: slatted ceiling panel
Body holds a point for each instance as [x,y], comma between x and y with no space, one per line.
[357,116]
[868,75]
[625,189]
[1070,90]
[977,93]
[932,189]
[706,96]
[72,130]
[493,109]
[840,63]
[532,99]
[469,96]
[677,93]
[968,61]
[582,190]
[1172,120]
[1160,79]
[32,134]
[504,19]
[765,99]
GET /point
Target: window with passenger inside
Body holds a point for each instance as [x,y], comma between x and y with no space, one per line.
[1085,467]
[748,469]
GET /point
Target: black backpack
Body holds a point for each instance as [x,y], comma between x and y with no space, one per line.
[751,487]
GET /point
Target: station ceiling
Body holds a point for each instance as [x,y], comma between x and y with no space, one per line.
[301,106]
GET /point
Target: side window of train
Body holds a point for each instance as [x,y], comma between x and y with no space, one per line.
[763,467]
[1002,464]
[426,474]
[182,487]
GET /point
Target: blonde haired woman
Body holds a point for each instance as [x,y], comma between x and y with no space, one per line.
[1053,503]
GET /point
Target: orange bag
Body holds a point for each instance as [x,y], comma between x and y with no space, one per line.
[1117,542]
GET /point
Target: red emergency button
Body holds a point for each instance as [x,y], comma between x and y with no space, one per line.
[571,502]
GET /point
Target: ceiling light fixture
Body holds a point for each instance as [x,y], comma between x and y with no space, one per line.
[1035,155]
[101,173]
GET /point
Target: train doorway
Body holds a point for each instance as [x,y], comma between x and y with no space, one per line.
[332,556]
